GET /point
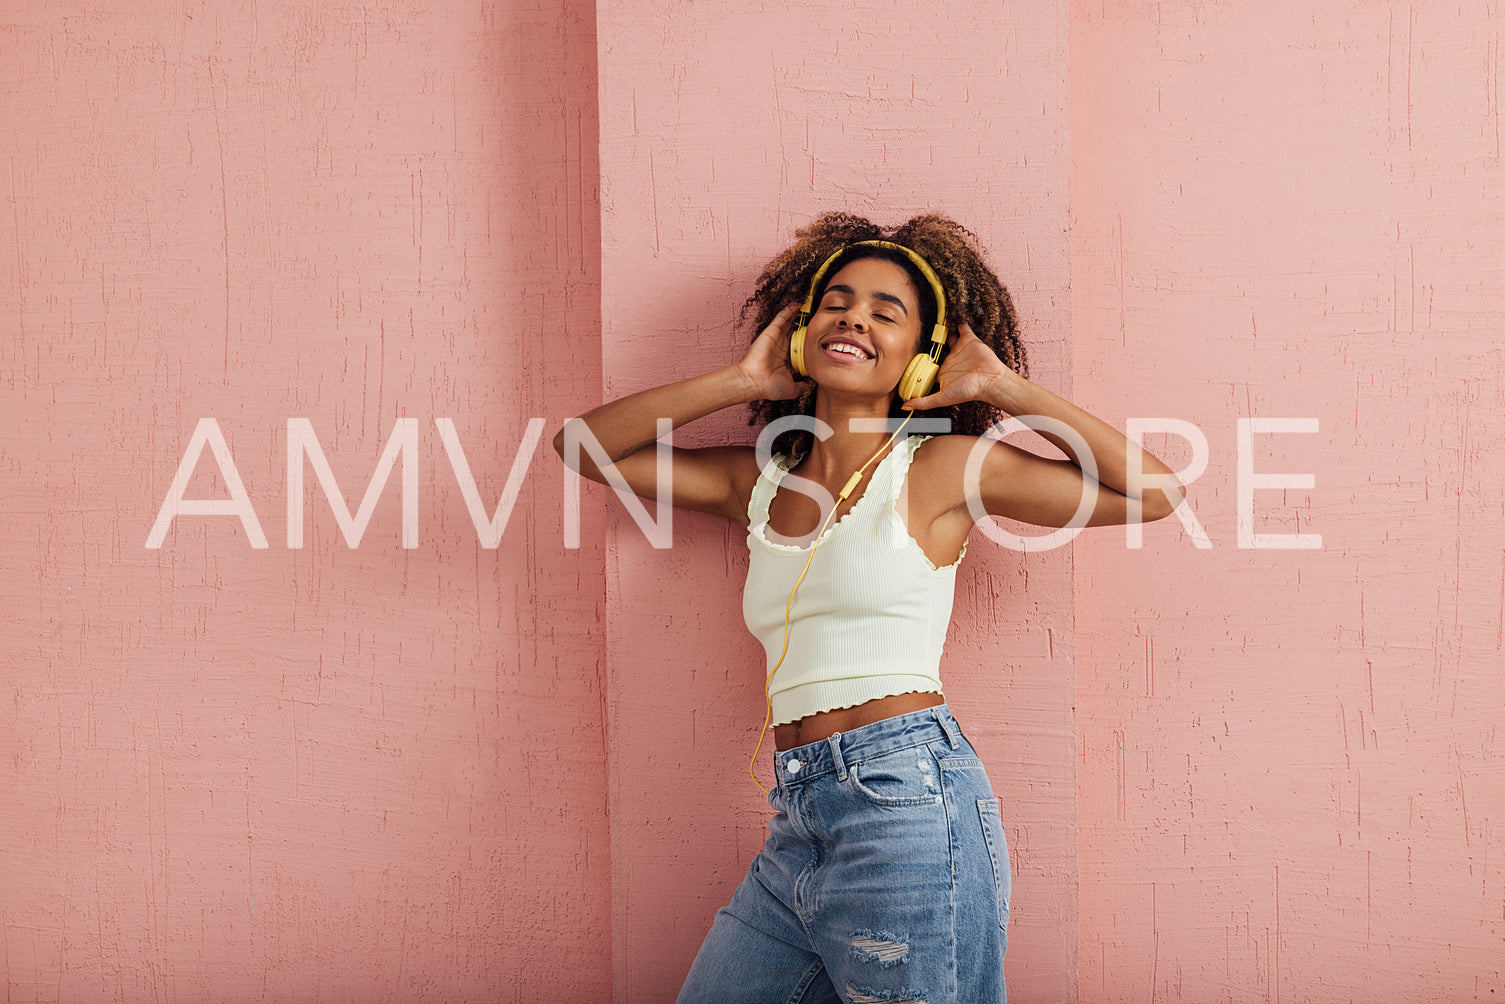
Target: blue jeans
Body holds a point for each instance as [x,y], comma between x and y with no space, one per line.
[885,878]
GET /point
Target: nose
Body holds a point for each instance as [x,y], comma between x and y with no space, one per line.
[853,319]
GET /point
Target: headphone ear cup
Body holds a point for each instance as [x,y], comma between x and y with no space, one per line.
[919,377]
[797,351]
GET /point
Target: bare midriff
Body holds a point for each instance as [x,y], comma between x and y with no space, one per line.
[825,724]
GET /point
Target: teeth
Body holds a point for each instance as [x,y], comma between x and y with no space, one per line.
[849,350]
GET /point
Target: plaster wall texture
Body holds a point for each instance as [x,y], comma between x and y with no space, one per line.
[321,773]
[454,772]
[1291,782]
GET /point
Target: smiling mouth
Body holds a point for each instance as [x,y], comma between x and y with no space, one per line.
[847,349]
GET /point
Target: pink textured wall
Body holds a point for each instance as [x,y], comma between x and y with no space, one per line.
[1292,785]
[325,773]
[723,127]
[451,771]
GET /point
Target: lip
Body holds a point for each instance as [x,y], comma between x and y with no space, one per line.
[826,345]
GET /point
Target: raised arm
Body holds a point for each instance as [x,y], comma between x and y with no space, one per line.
[1020,485]
[716,479]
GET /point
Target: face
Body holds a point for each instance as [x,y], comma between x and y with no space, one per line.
[865,329]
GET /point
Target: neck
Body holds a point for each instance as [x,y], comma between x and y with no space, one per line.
[859,429]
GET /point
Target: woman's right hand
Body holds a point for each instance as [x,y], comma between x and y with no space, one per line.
[766,365]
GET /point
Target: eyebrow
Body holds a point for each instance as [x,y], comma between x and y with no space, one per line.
[844,288]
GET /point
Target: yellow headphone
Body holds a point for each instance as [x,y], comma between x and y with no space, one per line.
[919,375]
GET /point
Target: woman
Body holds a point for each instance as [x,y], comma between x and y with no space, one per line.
[885,873]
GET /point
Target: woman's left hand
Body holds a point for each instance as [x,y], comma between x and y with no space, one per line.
[971,371]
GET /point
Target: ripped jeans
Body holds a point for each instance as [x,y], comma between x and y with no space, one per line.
[885,878]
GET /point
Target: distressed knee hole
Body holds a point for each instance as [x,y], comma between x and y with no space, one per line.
[904,997]
[881,948]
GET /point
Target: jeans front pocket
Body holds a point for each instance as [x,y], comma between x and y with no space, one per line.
[998,851]
[900,779]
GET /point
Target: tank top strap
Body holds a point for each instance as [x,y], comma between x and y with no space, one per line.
[902,455]
[762,494]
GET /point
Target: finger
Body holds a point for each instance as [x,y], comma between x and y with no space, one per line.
[777,325]
[782,318]
[937,400]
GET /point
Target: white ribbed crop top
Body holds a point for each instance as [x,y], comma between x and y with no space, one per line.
[870,618]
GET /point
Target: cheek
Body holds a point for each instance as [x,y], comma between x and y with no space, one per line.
[914,346]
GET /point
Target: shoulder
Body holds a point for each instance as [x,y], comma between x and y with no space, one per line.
[939,470]
[942,457]
[950,454]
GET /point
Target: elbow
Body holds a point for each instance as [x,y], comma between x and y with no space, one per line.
[572,458]
[1162,503]
[567,445]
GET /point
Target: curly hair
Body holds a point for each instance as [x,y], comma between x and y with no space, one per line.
[974,296]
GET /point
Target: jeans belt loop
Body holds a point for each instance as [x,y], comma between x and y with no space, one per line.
[947,724]
[834,742]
